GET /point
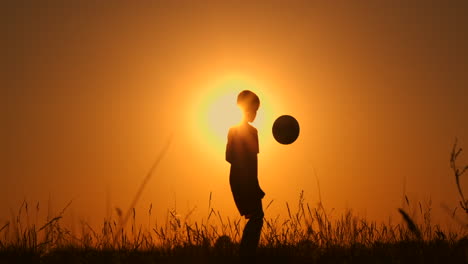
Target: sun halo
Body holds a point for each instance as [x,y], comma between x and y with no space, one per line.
[219,111]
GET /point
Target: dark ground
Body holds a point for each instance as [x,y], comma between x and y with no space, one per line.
[407,252]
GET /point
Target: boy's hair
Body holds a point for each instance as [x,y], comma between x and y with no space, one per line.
[248,101]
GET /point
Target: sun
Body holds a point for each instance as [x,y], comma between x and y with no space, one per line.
[218,111]
[221,114]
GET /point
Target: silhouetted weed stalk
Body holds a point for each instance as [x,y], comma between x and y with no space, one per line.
[458,172]
[302,231]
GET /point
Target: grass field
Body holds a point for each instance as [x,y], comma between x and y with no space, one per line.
[307,234]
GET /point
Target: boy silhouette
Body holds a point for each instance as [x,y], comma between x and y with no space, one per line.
[241,152]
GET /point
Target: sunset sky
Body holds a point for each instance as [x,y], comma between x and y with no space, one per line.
[94,91]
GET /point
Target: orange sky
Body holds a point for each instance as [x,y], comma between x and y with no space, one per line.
[93,92]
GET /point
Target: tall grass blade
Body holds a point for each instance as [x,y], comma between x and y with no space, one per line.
[410,223]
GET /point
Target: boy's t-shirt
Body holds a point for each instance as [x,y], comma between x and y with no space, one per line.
[241,151]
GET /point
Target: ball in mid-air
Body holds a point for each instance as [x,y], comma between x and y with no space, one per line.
[285,129]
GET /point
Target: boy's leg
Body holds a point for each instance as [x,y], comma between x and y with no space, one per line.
[252,231]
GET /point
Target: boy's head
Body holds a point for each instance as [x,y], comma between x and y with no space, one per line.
[249,104]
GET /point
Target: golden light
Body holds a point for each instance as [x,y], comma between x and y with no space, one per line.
[221,114]
[218,111]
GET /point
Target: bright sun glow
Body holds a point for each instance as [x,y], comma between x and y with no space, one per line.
[218,111]
[222,113]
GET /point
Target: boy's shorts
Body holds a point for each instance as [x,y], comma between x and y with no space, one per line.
[248,205]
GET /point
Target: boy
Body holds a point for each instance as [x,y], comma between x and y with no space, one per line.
[241,152]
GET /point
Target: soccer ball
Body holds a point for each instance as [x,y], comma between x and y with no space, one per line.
[285,129]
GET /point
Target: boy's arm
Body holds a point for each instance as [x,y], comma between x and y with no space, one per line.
[256,142]
[229,147]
